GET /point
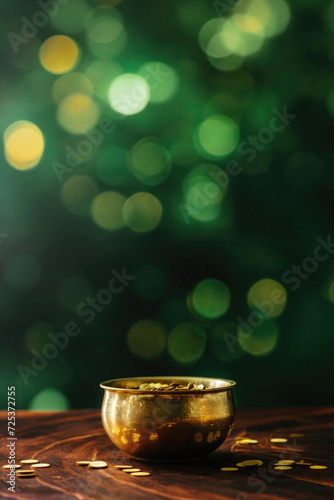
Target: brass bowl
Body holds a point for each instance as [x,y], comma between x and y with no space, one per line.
[167,425]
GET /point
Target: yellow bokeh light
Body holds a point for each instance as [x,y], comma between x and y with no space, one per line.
[69,84]
[261,340]
[77,193]
[106,210]
[59,54]
[186,342]
[267,296]
[129,94]
[146,339]
[239,40]
[274,15]
[78,113]
[142,212]
[24,145]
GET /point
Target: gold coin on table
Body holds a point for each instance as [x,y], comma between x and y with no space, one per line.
[124,466]
[40,465]
[140,473]
[303,463]
[98,465]
[247,441]
[278,440]
[249,463]
[228,469]
[29,461]
[131,470]
[27,472]
[285,462]
[26,475]
[83,462]
[282,467]
[13,466]
[318,467]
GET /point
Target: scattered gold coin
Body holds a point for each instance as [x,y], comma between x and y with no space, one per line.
[97,464]
[13,466]
[140,473]
[282,467]
[25,475]
[279,440]
[303,463]
[123,466]
[25,472]
[131,470]
[249,463]
[247,441]
[228,469]
[318,467]
[40,465]
[285,462]
[173,386]
[83,462]
[29,461]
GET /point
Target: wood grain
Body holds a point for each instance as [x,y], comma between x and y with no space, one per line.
[63,438]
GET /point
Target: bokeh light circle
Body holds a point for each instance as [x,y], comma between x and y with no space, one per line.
[267,296]
[217,136]
[49,399]
[77,193]
[106,210]
[24,145]
[162,79]
[261,340]
[59,54]
[146,339]
[71,83]
[211,298]
[129,94]
[78,113]
[186,342]
[142,212]
[150,162]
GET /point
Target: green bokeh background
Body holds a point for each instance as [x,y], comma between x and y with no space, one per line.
[269,219]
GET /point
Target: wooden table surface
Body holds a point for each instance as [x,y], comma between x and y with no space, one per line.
[63,438]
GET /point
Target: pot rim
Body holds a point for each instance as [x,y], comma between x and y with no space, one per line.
[226,385]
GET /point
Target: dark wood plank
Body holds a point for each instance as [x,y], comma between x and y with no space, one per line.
[63,438]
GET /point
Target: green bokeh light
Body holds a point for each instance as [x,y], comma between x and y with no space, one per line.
[162,80]
[261,340]
[129,94]
[150,162]
[217,136]
[186,343]
[210,298]
[49,399]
